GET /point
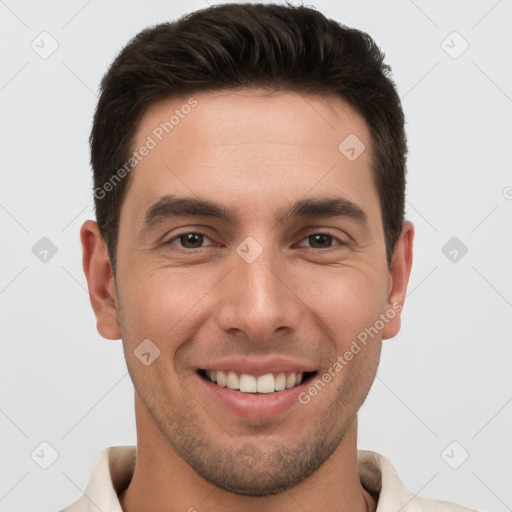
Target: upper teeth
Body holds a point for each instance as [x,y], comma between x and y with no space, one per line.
[246,383]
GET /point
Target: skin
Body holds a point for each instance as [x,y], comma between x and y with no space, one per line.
[255,153]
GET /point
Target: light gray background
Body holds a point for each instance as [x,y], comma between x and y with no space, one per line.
[446,377]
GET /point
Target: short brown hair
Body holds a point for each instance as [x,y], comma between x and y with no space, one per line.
[248,45]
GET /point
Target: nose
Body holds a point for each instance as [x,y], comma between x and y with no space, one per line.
[258,301]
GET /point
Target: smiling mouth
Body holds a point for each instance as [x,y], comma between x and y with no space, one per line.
[246,383]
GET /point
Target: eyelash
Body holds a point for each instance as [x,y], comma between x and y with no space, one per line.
[177,237]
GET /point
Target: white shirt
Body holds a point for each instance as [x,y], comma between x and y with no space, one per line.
[114,468]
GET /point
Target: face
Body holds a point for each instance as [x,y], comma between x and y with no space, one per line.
[263,279]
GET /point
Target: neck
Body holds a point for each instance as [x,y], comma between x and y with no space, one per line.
[163,480]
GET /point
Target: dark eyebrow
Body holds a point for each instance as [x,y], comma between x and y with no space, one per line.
[324,207]
[172,206]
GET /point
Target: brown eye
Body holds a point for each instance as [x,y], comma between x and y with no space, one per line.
[321,241]
[188,240]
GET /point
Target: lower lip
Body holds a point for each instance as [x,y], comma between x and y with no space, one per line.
[254,406]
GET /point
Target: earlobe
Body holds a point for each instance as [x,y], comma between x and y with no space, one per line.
[100,281]
[399,279]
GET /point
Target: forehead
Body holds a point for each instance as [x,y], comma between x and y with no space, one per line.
[252,116]
[251,146]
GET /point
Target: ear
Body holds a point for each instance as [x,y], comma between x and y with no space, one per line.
[100,281]
[398,280]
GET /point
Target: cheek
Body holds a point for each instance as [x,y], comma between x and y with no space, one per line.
[160,304]
[347,300]
[156,311]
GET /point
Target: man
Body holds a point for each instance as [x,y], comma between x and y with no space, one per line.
[251,252]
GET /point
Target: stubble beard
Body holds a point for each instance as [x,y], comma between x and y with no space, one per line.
[247,468]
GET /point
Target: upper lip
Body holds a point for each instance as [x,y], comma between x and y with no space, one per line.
[258,366]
